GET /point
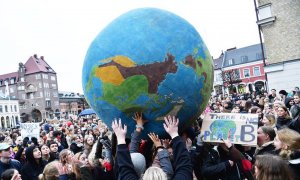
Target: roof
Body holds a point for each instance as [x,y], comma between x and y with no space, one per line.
[71,95]
[242,55]
[35,64]
[9,76]
[218,62]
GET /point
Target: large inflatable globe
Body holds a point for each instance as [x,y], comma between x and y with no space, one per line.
[151,61]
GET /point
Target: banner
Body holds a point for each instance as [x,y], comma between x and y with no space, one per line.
[239,128]
[30,130]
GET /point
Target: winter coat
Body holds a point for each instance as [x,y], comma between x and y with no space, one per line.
[31,169]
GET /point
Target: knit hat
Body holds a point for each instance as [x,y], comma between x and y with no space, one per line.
[139,163]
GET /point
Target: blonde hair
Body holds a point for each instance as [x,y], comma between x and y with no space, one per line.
[271,118]
[50,172]
[290,138]
[155,173]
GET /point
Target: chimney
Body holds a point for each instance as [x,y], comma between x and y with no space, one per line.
[42,57]
[35,56]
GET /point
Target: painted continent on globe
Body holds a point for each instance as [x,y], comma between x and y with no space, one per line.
[151,61]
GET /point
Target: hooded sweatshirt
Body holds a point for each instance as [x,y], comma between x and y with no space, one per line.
[31,169]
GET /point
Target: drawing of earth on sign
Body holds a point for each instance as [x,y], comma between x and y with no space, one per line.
[221,128]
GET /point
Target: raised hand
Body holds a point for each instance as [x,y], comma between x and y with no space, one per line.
[138,117]
[119,131]
[171,126]
[155,139]
[166,143]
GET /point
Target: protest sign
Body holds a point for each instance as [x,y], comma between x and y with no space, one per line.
[30,130]
[239,128]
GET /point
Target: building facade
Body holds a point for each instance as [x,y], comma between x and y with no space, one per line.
[35,86]
[71,104]
[218,87]
[279,24]
[9,113]
[248,68]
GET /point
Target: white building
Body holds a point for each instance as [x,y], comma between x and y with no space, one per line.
[9,113]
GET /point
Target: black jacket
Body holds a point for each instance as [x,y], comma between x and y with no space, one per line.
[31,169]
[182,162]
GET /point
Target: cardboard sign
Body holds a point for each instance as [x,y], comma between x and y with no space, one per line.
[30,130]
[239,128]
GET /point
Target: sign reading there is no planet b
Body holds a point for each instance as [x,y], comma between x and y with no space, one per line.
[239,128]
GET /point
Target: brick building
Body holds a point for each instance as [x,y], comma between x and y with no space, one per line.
[35,86]
[279,24]
[247,65]
[71,104]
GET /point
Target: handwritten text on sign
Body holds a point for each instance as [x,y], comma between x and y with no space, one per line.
[240,128]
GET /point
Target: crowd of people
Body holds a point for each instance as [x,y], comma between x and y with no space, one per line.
[87,149]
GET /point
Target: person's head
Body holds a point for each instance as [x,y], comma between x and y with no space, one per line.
[273,91]
[155,173]
[41,141]
[5,153]
[65,156]
[45,150]
[50,172]
[265,134]
[236,109]
[10,174]
[288,141]
[33,154]
[283,93]
[89,140]
[271,167]
[53,146]
[19,140]
[297,98]
[139,163]
[283,112]
[78,139]
[276,104]
[269,120]
[57,134]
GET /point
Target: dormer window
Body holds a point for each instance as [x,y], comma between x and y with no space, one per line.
[230,62]
[265,15]
[244,59]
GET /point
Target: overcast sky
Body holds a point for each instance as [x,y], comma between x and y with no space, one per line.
[62,30]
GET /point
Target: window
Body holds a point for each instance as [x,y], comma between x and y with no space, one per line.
[48,103]
[12,81]
[23,96]
[6,109]
[265,14]
[11,108]
[258,56]
[40,85]
[46,85]
[41,94]
[21,87]
[53,78]
[244,59]
[54,94]
[45,76]
[38,76]
[31,96]
[246,73]
[1,82]
[237,74]
[22,79]
[47,94]
[15,108]
[1,110]
[256,71]
[11,90]
[230,61]
[54,86]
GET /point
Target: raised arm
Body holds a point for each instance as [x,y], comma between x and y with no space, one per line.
[126,169]
[182,161]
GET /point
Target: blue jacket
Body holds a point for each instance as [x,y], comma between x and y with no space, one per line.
[14,164]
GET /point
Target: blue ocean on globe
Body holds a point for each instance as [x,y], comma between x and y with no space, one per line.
[151,61]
